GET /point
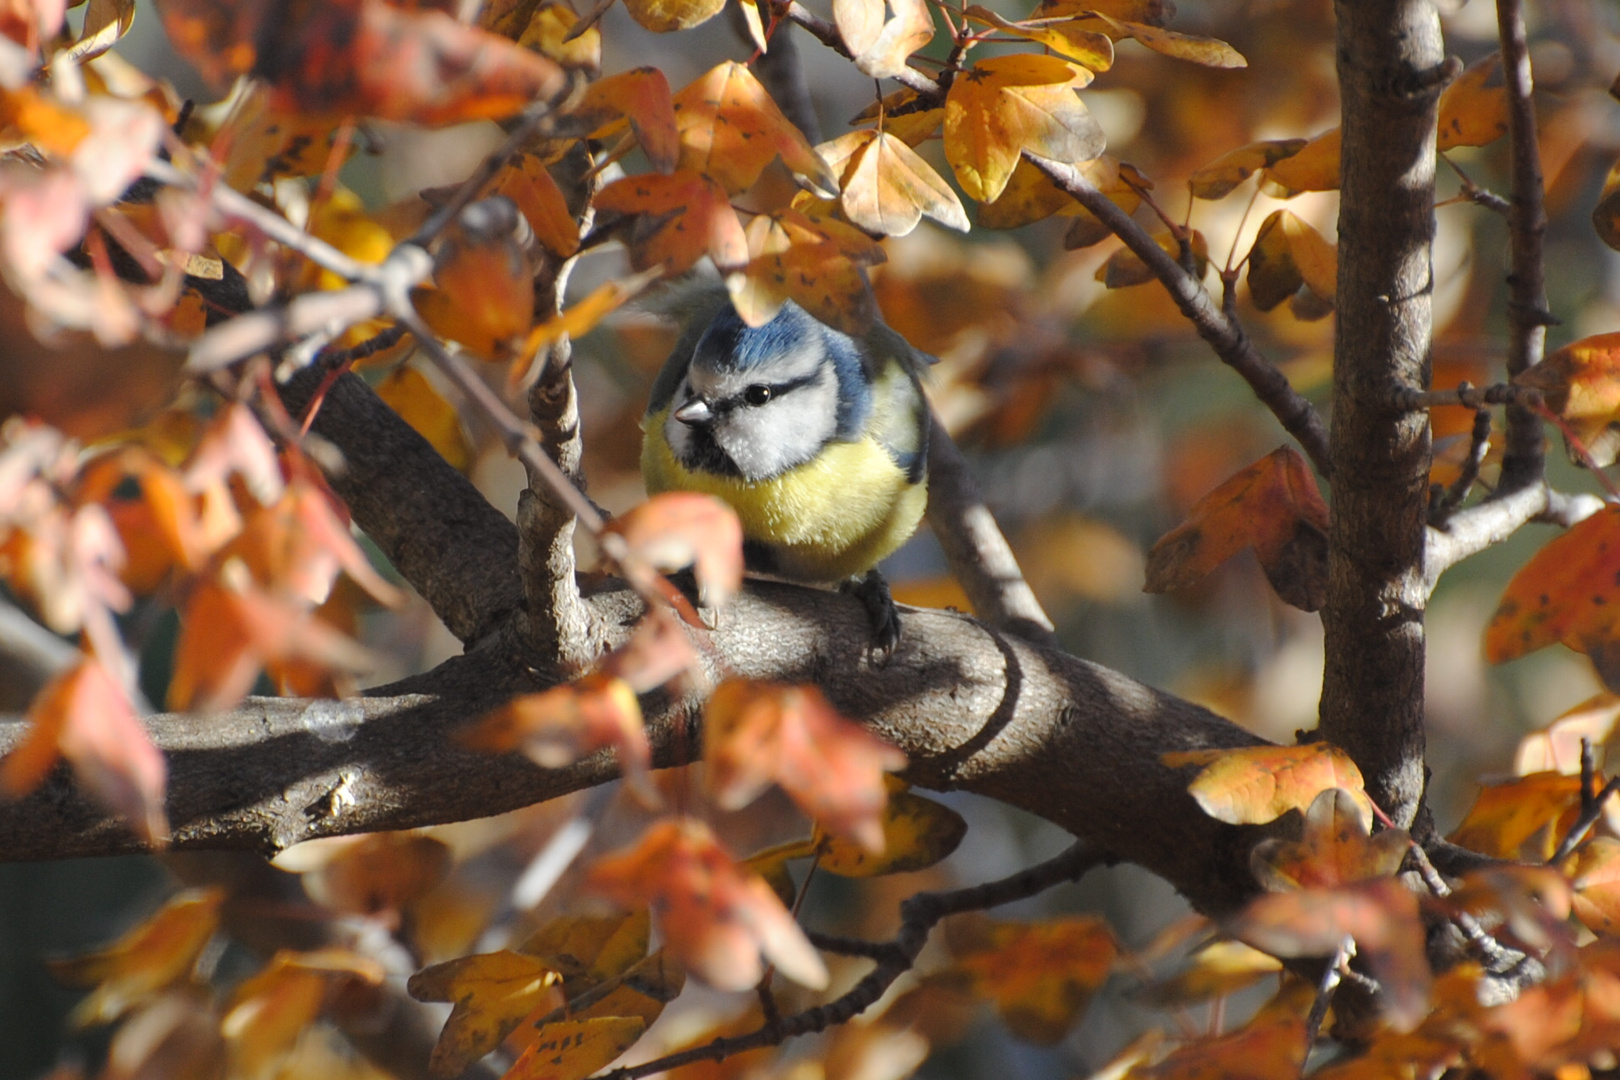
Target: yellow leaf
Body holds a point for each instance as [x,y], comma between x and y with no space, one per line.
[492,993]
[917,833]
[1219,177]
[1287,254]
[1257,784]
[1125,268]
[1474,109]
[547,33]
[408,392]
[888,188]
[1040,975]
[881,45]
[663,16]
[817,262]
[1314,168]
[1606,214]
[1008,104]
[1091,48]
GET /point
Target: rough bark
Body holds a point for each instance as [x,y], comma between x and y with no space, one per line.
[1391,70]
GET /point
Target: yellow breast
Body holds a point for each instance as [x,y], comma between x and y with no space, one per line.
[826,520]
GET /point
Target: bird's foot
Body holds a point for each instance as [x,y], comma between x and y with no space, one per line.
[873,592]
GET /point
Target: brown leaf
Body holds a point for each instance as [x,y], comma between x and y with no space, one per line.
[677,220]
[1125,267]
[574,1049]
[1508,814]
[374,875]
[1272,506]
[1473,110]
[1593,870]
[676,529]
[1265,1049]
[1042,975]
[917,833]
[1257,784]
[720,922]
[1565,593]
[1606,214]
[1217,179]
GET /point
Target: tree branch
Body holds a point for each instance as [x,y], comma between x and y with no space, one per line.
[826,33]
[1471,531]
[1223,333]
[1391,68]
[975,548]
[974,709]
[1522,462]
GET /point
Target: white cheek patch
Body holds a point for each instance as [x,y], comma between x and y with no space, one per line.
[770,439]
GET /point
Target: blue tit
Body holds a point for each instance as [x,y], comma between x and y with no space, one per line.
[817,439]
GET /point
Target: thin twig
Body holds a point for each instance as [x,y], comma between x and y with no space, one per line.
[1472,192]
[1588,773]
[1467,395]
[1493,952]
[826,33]
[1583,824]
[1471,531]
[1332,975]
[1224,334]
[1523,461]
[1446,500]
[918,915]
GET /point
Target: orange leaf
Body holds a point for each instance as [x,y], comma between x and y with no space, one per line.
[1507,815]
[678,219]
[1257,784]
[86,717]
[1557,747]
[528,183]
[1272,506]
[917,833]
[1267,1048]
[1581,382]
[1335,849]
[683,528]
[1217,179]
[888,188]
[582,318]
[1473,110]
[300,543]
[376,874]
[755,733]
[1040,975]
[1008,104]
[1565,593]
[574,1049]
[1380,915]
[270,1010]
[731,129]
[1088,47]
[641,96]
[1593,870]
[550,32]
[492,993]
[816,262]
[363,57]
[1216,970]
[657,652]
[483,271]
[566,723]
[157,953]
[718,919]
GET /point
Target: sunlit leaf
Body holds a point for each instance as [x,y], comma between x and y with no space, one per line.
[888,188]
[641,96]
[1473,110]
[1336,848]
[678,219]
[878,42]
[1289,253]
[1508,814]
[1256,784]
[491,992]
[917,833]
[1217,179]
[819,263]
[1566,593]
[1214,971]
[1314,168]
[408,392]
[1006,105]
[1581,383]
[1073,40]
[529,185]
[730,129]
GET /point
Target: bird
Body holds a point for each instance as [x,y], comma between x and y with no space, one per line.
[818,440]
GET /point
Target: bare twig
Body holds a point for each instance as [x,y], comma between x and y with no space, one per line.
[1493,952]
[1471,531]
[1523,460]
[826,33]
[974,547]
[1443,502]
[1223,333]
[1467,395]
[1590,812]
[1332,975]
[919,915]
[1471,191]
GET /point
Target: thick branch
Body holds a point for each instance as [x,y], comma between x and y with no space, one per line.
[974,709]
[1522,462]
[439,531]
[976,550]
[1391,69]
[1223,333]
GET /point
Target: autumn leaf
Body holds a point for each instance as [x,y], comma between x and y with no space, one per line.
[818,263]
[666,16]
[491,992]
[1256,784]
[586,950]
[1288,254]
[1565,593]
[1124,186]
[1593,870]
[376,875]
[730,129]
[1006,105]
[678,529]
[1380,915]
[529,185]
[269,1010]
[574,1049]
[1144,24]
[1272,506]
[880,44]
[1267,1048]
[157,953]
[676,220]
[756,733]
[887,187]
[722,923]
[550,32]
[84,715]
[1088,47]
[1507,815]
[657,652]
[917,833]
[1473,110]
[1581,383]
[1042,975]
[1217,970]
[1557,747]
[642,97]
[1217,179]
[1606,214]
[363,58]
[557,727]
[1126,268]
[1315,167]
[1336,848]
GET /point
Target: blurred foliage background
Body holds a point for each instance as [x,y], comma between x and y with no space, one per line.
[1093,419]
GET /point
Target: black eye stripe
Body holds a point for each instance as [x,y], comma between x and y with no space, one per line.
[776,390]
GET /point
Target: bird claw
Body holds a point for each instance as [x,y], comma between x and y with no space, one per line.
[873,593]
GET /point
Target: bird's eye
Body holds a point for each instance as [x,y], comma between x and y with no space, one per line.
[758,394]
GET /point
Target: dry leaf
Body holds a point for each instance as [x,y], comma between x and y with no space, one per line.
[1042,975]
[491,992]
[678,529]
[1006,105]
[730,129]
[1256,784]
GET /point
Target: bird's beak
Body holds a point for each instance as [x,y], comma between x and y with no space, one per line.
[694,413]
